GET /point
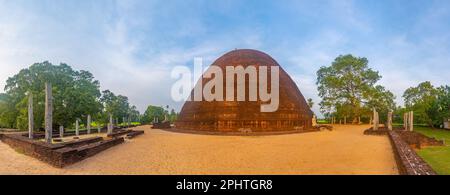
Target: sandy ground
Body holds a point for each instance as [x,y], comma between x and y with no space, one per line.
[342,151]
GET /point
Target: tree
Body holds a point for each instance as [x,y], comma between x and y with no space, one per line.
[173,116]
[118,106]
[347,87]
[310,102]
[75,94]
[152,112]
[134,114]
[443,102]
[423,101]
[8,112]
[380,99]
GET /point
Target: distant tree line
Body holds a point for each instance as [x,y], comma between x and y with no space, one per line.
[76,94]
[160,113]
[349,89]
[431,105]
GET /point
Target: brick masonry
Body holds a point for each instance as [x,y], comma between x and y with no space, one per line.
[403,143]
[417,140]
[60,154]
[162,125]
[68,155]
[293,113]
[133,134]
[119,133]
[408,162]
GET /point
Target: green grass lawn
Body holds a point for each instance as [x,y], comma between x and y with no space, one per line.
[322,121]
[437,156]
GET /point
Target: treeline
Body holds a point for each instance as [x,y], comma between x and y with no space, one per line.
[431,105]
[158,113]
[349,90]
[76,94]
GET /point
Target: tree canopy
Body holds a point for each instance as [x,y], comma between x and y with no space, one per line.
[153,112]
[159,112]
[76,94]
[430,105]
[347,88]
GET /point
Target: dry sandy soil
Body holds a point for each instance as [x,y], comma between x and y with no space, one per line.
[342,151]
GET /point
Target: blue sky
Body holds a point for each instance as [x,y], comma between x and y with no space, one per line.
[131,46]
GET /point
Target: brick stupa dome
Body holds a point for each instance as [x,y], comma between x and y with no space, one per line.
[293,113]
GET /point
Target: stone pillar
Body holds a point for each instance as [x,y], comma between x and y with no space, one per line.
[340,121]
[411,121]
[61,131]
[314,121]
[110,125]
[48,113]
[377,124]
[359,120]
[30,116]
[88,127]
[407,121]
[77,128]
[404,121]
[389,121]
[98,127]
[375,119]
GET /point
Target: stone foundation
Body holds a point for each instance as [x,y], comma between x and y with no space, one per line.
[380,131]
[403,144]
[413,139]
[133,134]
[162,125]
[408,162]
[119,133]
[68,155]
[55,134]
[323,127]
[376,132]
[417,140]
[81,142]
[61,154]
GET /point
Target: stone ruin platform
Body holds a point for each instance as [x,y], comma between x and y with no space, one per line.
[55,133]
[417,140]
[161,125]
[381,130]
[413,139]
[408,162]
[403,143]
[66,153]
[323,127]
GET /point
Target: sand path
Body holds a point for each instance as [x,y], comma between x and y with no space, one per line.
[342,151]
